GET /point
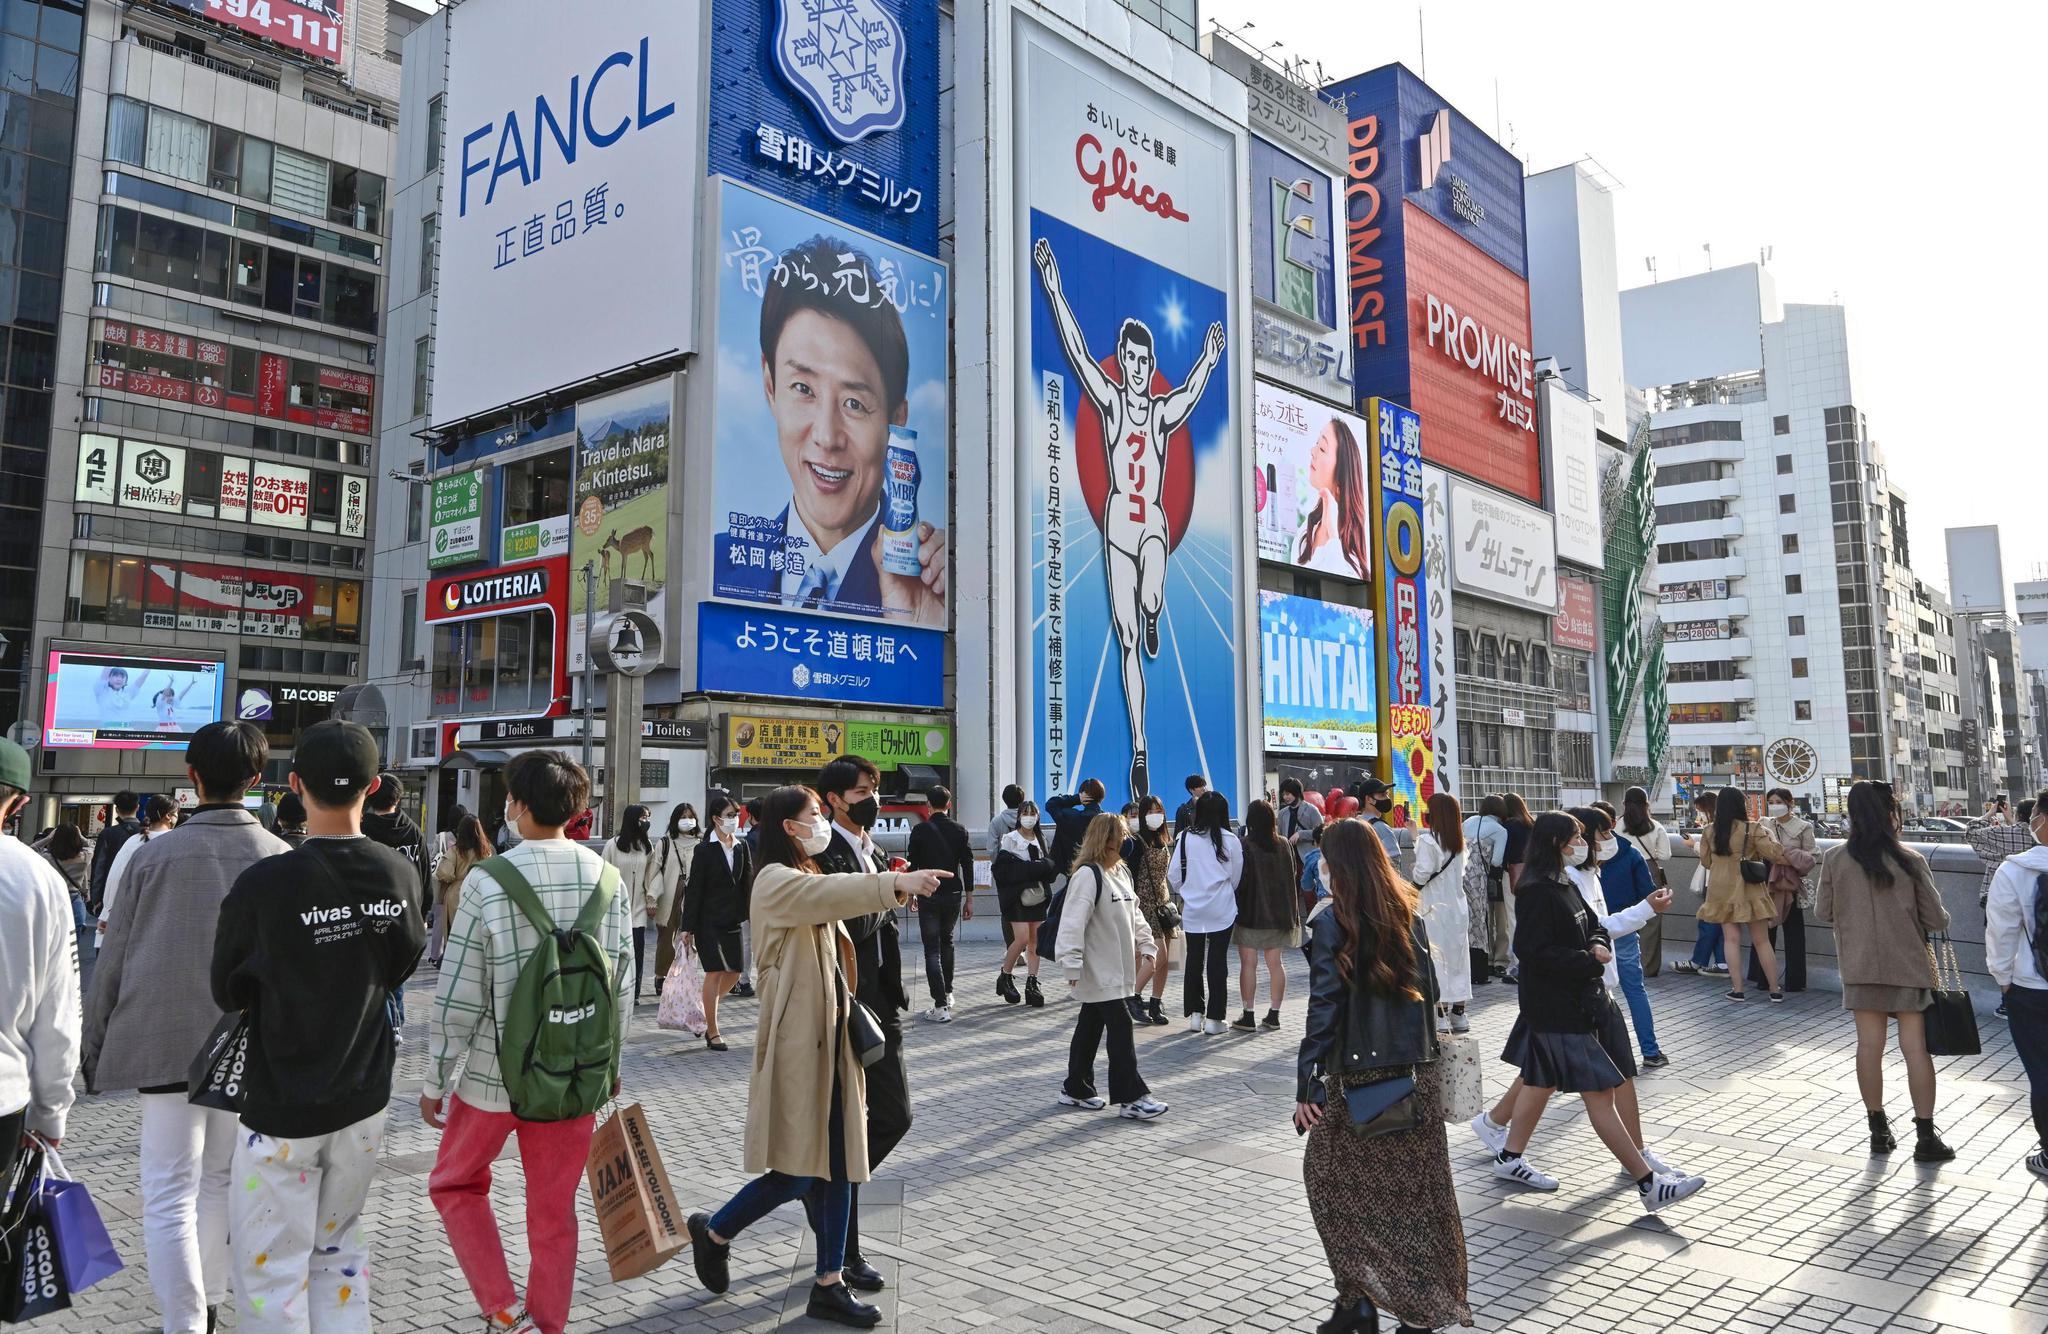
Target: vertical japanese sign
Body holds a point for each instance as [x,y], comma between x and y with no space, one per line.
[456,507]
[1443,663]
[620,520]
[1398,498]
[1129,427]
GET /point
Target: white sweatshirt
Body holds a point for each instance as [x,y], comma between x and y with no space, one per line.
[1626,922]
[2009,920]
[39,1019]
[1208,888]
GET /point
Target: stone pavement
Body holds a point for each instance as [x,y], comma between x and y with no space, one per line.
[1005,1212]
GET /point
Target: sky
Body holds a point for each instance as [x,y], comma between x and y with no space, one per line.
[1874,156]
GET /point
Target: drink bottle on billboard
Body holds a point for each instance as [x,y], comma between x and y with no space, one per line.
[899,504]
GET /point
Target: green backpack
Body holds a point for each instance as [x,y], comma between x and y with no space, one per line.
[558,1044]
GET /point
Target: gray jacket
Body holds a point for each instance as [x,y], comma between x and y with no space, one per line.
[152,1005]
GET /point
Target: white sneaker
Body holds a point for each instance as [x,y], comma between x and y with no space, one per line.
[1461,1022]
[938,1014]
[1194,1023]
[1144,1109]
[949,1000]
[1517,1170]
[1090,1104]
[1661,1190]
[1494,1137]
[1213,1027]
[1662,1168]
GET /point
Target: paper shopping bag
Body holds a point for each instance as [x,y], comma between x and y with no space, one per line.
[636,1209]
[87,1252]
[1463,1085]
[32,1280]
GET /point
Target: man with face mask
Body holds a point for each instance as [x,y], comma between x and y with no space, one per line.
[847,786]
[2016,953]
[1378,800]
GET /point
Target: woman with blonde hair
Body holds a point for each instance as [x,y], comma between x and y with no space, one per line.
[1103,941]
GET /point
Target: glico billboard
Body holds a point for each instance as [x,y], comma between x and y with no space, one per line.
[1438,262]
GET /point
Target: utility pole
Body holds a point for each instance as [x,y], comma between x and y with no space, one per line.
[589,664]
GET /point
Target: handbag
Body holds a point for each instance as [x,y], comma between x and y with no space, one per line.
[863,1030]
[1385,1108]
[1950,1018]
[1755,873]
[682,996]
[1168,915]
[215,1078]
[1463,1083]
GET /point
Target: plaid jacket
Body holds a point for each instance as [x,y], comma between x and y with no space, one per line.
[1993,843]
[489,941]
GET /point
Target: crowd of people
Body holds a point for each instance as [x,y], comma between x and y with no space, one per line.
[292,946]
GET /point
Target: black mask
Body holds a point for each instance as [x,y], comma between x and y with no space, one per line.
[1383,804]
[863,814]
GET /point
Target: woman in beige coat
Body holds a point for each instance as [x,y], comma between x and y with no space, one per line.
[1736,903]
[807,1098]
[1881,898]
[1104,946]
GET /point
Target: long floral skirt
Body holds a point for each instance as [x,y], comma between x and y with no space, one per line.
[1387,1210]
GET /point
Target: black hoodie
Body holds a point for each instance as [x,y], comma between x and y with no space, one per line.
[396,831]
[310,943]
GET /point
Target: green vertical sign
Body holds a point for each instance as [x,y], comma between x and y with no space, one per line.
[456,511]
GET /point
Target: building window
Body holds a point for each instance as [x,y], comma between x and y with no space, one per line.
[536,489]
[1715,548]
[1461,642]
[127,131]
[1784,461]
[1788,504]
[500,664]
[1795,625]
[1782,426]
[1802,710]
[1798,668]
[356,199]
[176,146]
[435,111]
[408,625]
[1789,544]
[1489,658]
[1539,666]
[1794,584]
[422,355]
[430,229]
[415,506]
[1540,750]
[1511,663]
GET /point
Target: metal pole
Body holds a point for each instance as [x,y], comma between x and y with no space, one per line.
[589,666]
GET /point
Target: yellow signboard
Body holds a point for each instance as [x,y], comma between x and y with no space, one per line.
[782,743]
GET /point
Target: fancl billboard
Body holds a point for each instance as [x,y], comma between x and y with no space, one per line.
[567,199]
[1437,262]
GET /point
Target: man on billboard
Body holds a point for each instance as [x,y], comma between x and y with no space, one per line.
[835,367]
[1137,422]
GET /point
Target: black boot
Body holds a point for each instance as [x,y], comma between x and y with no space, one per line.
[833,1302]
[1352,1318]
[1246,1021]
[1881,1140]
[1482,969]
[1136,1009]
[1927,1147]
[1032,995]
[1006,987]
[1153,1015]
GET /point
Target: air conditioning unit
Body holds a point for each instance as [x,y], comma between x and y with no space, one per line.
[423,743]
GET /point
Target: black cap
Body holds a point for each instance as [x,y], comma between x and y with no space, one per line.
[1372,787]
[336,761]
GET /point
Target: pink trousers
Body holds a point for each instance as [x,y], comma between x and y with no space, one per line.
[553,1154]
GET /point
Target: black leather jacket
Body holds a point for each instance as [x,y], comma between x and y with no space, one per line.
[1350,1029]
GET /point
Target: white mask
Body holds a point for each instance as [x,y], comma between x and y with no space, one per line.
[819,838]
[727,824]
[1608,848]
[1779,810]
[687,826]
[1155,819]
[1027,822]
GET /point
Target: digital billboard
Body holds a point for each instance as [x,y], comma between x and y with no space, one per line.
[834,107]
[832,362]
[1320,675]
[128,701]
[1130,539]
[1298,292]
[1309,484]
[569,195]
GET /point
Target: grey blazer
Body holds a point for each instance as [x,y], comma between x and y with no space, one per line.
[152,1006]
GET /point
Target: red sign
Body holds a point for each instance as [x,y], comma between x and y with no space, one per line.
[354,382]
[228,599]
[1574,626]
[199,380]
[509,588]
[1471,372]
[273,374]
[312,28]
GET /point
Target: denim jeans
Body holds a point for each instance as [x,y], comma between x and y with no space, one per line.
[937,917]
[1628,961]
[1707,948]
[832,1199]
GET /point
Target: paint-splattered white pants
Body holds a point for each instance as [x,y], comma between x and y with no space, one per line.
[302,1262]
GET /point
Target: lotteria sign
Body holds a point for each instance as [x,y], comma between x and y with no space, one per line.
[509,589]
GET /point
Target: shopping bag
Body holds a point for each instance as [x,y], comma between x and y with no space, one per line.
[636,1210]
[1176,951]
[83,1246]
[216,1077]
[682,996]
[1464,1087]
[32,1280]
[1951,1020]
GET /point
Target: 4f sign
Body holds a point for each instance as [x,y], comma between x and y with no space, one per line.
[845,59]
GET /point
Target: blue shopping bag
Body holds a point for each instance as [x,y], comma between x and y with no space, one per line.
[83,1247]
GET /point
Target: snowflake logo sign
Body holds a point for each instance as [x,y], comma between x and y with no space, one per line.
[845,59]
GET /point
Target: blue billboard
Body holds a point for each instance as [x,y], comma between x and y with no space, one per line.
[1320,668]
[834,105]
[749,651]
[1432,156]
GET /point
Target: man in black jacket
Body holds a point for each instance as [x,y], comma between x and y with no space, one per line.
[309,944]
[941,844]
[119,830]
[1071,816]
[848,785]
[1185,815]
[384,823]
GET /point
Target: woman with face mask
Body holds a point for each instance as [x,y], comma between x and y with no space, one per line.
[807,1096]
[1022,872]
[715,902]
[1565,952]
[666,877]
[1784,824]
[632,851]
[1145,853]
